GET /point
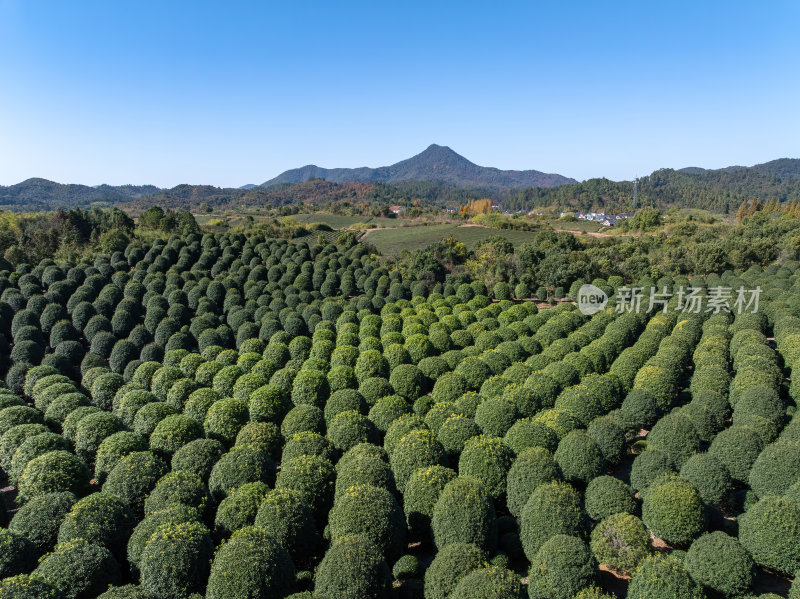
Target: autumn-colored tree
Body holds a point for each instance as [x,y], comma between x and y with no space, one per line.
[483,206]
[741,213]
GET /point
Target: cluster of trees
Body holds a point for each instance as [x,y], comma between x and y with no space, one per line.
[169,221]
[31,237]
[772,206]
[720,191]
[554,261]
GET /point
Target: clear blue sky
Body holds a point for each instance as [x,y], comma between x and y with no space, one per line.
[229,93]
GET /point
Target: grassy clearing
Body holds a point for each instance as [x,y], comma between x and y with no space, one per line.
[341,221]
[392,241]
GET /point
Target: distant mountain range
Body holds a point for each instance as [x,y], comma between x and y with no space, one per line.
[436,176]
[436,163]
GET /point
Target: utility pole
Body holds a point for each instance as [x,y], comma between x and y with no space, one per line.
[635,192]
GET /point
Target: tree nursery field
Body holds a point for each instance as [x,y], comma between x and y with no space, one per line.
[234,416]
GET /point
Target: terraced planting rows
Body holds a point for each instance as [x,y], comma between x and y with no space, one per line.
[229,416]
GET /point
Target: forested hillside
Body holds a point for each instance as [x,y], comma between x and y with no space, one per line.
[721,190]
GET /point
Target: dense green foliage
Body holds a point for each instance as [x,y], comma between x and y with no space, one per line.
[232,414]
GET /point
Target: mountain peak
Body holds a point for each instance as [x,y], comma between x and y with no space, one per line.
[435,163]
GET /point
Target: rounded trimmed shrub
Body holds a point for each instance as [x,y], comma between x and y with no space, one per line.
[265,436]
[175,561]
[417,449]
[737,447]
[127,591]
[708,475]
[373,513]
[313,478]
[562,567]
[173,432]
[775,469]
[533,467]
[342,401]
[449,566]
[239,509]
[363,469]
[198,456]
[150,415]
[673,511]
[674,434]
[251,565]
[438,413]
[621,541]
[307,443]
[579,457]
[225,418]
[488,460]
[353,568]
[131,402]
[179,487]
[285,516]
[770,531]
[92,431]
[39,519]
[400,428]
[268,404]
[642,408]
[61,407]
[449,387]
[388,409]
[647,467]
[607,495]
[422,492]
[454,433]
[15,415]
[78,568]
[663,576]
[593,592]
[100,519]
[133,477]
[464,513]
[408,566]
[496,416]
[16,553]
[560,421]
[553,508]
[373,388]
[609,437]
[25,586]
[53,472]
[310,387]
[581,403]
[720,563]
[239,466]
[152,522]
[348,429]
[33,447]
[104,388]
[491,581]
[407,381]
[301,419]
[474,370]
